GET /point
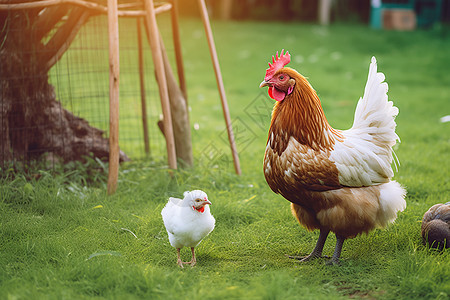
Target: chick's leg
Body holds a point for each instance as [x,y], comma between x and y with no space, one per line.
[179,262]
[337,251]
[317,252]
[193,260]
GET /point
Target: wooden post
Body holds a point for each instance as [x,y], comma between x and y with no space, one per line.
[215,60]
[225,9]
[142,87]
[152,28]
[324,12]
[113,30]
[177,46]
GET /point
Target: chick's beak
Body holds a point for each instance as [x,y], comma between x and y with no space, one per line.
[264,83]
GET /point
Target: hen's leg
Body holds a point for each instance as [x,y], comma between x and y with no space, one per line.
[179,262]
[337,251]
[317,252]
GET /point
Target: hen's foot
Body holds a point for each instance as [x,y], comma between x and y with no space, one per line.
[307,258]
[334,262]
[317,252]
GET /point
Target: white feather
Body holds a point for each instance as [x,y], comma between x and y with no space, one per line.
[392,201]
[185,226]
[365,156]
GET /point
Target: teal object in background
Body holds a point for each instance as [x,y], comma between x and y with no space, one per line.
[428,12]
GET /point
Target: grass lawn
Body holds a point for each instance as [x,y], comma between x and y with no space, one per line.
[64,238]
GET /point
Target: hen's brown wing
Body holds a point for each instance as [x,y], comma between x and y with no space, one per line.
[299,167]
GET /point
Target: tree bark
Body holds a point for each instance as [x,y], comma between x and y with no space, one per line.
[179,111]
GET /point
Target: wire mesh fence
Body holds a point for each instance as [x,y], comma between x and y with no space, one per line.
[80,80]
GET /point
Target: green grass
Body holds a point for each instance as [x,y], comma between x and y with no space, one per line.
[62,238]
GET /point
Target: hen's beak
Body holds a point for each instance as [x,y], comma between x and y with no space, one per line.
[264,83]
[207,202]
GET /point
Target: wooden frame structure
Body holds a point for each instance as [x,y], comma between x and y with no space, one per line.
[223,98]
[114,66]
[148,12]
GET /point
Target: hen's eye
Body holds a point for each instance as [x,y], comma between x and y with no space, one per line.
[198,200]
[281,77]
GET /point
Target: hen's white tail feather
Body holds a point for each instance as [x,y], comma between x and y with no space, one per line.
[392,201]
[367,146]
[374,113]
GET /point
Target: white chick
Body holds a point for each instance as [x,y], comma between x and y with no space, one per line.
[188,221]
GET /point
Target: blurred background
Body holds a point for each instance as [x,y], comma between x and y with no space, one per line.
[426,13]
[407,36]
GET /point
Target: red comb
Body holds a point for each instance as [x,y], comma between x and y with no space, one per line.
[278,62]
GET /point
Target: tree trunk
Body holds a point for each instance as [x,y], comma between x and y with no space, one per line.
[180,113]
[32,121]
